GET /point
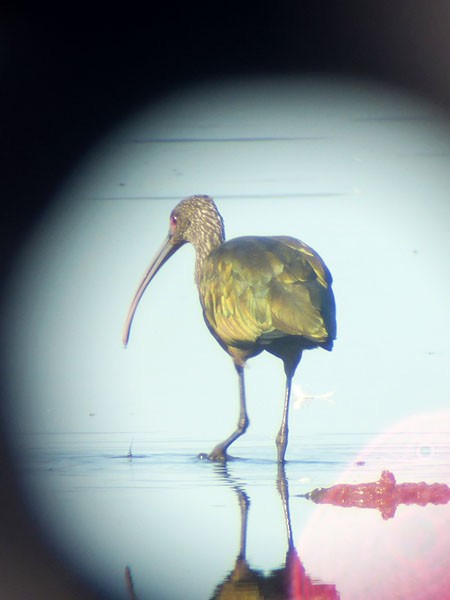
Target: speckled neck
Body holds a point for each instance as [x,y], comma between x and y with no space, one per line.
[210,236]
[206,230]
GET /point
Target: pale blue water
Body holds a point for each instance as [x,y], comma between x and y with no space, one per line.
[175,520]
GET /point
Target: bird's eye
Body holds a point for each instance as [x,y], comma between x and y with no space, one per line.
[173,221]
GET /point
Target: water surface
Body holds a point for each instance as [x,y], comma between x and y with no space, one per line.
[142,507]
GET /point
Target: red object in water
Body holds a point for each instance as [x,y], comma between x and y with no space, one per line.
[384,495]
[300,586]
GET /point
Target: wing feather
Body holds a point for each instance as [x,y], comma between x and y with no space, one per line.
[254,290]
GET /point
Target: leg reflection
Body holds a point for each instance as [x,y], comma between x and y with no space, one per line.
[288,582]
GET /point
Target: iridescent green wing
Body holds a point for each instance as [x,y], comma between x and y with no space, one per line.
[234,291]
[256,289]
[302,300]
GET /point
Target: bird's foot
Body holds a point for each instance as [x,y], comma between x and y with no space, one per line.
[216,455]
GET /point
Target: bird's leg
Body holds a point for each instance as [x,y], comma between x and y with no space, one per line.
[282,436]
[219,452]
[283,490]
[244,504]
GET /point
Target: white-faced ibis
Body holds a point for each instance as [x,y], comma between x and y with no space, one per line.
[257,293]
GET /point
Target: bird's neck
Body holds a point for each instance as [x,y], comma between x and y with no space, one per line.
[203,249]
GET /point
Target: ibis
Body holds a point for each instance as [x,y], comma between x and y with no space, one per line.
[257,293]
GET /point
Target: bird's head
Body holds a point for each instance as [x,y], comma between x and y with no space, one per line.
[196,220]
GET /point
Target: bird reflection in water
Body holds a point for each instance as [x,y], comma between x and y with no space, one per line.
[384,495]
[290,582]
[129,584]
[257,293]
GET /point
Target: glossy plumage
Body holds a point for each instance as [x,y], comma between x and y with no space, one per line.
[255,290]
[257,293]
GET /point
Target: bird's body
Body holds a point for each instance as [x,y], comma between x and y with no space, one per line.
[257,293]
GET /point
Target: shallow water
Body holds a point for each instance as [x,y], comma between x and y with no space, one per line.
[141,514]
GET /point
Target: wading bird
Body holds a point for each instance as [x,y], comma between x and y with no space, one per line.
[257,293]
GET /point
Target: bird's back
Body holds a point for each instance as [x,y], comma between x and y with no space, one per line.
[257,290]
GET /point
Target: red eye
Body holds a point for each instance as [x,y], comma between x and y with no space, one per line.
[173,221]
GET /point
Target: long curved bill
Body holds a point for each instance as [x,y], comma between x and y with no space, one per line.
[165,252]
